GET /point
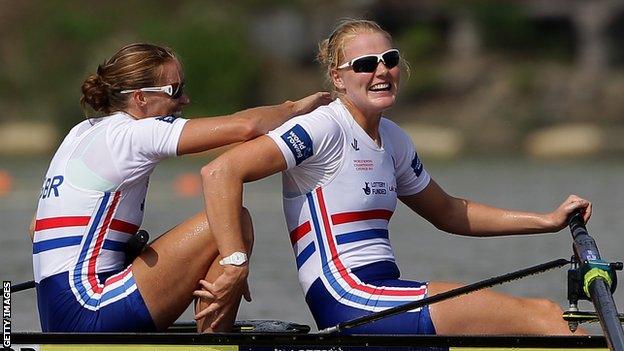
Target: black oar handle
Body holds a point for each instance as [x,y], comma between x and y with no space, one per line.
[584,245]
[597,281]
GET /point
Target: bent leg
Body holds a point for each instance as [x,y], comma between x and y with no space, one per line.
[169,270]
[203,325]
[490,312]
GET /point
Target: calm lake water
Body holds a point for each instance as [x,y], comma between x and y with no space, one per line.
[423,252]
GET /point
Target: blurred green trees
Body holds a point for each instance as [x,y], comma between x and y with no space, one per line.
[421,46]
[508,28]
[494,71]
[58,44]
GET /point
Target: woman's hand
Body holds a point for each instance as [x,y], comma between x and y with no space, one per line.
[223,295]
[559,218]
[311,102]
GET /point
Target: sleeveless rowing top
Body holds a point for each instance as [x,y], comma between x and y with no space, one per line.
[93,195]
[340,190]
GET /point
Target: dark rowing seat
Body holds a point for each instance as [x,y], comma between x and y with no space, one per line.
[248,326]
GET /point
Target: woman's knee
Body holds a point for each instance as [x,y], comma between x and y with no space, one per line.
[550,319]
[548,307]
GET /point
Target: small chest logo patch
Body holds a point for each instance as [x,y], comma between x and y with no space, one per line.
[366,188]
[167,119]
[363,165]
[416,165]
[51,187]
[299,143]
[377,188]
[354,145]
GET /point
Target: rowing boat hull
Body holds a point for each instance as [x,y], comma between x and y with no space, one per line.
[291,342]
[95,347]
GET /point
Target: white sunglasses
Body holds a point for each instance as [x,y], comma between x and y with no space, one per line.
[368,63]
[174,90]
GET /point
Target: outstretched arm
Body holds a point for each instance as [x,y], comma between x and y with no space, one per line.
[203,134]
[223,181]
[466,217]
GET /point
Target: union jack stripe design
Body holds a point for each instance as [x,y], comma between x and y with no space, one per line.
[303,251]
[337,278]
[82,278]
[347,217]
[73,240]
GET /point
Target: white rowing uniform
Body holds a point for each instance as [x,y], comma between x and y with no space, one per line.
[340,190]
[92,201]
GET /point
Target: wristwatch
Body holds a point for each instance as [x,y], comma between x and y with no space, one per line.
[235,259]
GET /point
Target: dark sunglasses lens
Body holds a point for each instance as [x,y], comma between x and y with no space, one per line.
[178,90]
[365,64]
[391,59]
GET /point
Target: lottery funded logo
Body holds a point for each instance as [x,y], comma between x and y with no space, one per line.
[378,188]
[366,188]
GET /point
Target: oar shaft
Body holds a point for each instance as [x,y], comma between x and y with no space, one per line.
[22,286]
[447,295]
[607,314]
[600,293]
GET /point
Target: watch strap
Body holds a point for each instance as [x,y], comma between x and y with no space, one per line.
[236,259]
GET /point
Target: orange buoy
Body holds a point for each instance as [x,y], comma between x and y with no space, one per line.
[6,182]
[187,185]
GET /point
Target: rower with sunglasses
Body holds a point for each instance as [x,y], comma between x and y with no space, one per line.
[344,167]
[93,197]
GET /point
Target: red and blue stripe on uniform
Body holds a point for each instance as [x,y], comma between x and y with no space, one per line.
[336,276]
[82,277]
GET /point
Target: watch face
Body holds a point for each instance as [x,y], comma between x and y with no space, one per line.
[238,258]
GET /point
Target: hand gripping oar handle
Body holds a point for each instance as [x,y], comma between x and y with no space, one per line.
[446,295]
[597,281]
